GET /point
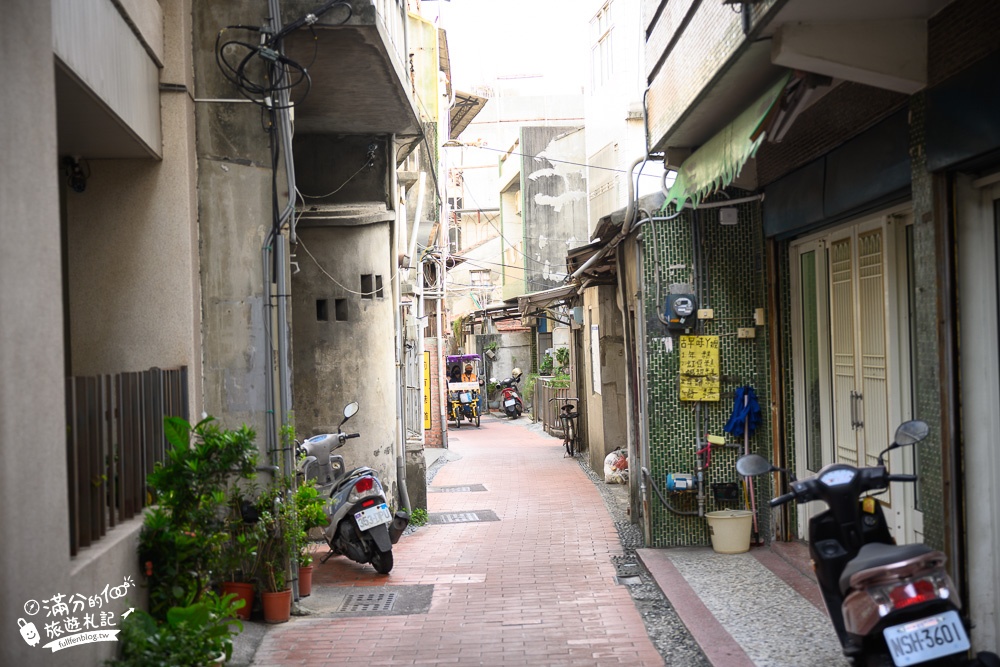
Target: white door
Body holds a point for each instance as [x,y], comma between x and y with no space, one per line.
[978,227]
[850,354]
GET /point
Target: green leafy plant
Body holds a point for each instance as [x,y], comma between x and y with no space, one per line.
[545,368]
[418,517]
[528,393]
[309,514]
[559,381]
[280,539]
[181,541]
[194,634]
[240,552]
[562,358]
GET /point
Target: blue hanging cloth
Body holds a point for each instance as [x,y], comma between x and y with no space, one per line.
[744,405]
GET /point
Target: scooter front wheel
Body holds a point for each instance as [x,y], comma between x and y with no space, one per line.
[382,562]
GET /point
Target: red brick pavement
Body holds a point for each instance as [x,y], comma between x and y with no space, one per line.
[535,588]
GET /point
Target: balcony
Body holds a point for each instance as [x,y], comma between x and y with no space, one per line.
[359,69]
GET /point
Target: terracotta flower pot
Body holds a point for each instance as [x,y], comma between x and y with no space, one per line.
[244,592]
[277,606]
[305,580]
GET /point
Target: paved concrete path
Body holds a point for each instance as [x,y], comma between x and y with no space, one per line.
[534,588]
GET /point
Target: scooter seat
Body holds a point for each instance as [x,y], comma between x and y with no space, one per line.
[876,554]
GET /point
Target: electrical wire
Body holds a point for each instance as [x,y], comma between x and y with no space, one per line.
[337,282]
[368,163]
[535,157]
[235,57]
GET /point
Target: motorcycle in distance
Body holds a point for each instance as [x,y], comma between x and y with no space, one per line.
[361,526]
[510,397]
[889,604]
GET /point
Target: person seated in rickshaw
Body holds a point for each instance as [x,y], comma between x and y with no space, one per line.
[456,374]
[469,375]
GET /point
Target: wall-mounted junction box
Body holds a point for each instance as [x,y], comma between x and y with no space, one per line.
[746,332]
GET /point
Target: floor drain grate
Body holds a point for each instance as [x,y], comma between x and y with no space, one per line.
[456,489]
[628,581]
[473,516]
[361,602]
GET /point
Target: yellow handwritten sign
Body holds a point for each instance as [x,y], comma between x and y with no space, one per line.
[427,391]
[699,368]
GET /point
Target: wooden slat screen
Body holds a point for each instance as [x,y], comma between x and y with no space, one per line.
[114,438]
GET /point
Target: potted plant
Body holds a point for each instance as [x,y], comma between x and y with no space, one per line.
[309,514]
[197,634]
[276,547]
[239,561]
[181,541]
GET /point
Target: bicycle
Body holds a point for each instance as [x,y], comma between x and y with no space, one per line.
[568,419]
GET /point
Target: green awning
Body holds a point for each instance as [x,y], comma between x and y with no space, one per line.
[720,159]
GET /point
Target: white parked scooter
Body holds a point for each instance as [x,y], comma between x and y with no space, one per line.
[361,526]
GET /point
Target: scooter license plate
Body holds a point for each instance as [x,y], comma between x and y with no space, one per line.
[929,638]
[373,516]
[510,402]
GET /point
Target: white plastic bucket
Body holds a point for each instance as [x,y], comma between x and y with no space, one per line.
[730,530]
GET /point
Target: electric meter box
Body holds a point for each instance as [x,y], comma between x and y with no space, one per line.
[680,311]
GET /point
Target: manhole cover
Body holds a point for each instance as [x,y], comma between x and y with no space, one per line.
[472,516]
[360,601]
[380,601]
[456,489]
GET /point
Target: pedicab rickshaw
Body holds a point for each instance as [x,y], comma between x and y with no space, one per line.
[463,393]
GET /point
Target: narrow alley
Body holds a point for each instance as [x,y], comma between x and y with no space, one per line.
[514,568]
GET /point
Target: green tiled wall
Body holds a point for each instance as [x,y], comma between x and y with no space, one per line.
[734,271]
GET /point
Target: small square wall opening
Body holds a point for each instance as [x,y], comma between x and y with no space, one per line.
[378,287]
[340,309]
[322,314]
[367,286]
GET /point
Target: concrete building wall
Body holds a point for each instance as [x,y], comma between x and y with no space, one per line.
[554,201]
[606,424]
[234,207]
[130,292]
[701,37]
[352,359]
[31,331]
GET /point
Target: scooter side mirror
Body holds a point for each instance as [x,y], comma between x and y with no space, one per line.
[349,411]
[910,433]
[751,465]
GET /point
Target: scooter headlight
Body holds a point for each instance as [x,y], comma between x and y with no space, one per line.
[366,487]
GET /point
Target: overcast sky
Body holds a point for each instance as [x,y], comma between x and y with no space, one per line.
[488,39]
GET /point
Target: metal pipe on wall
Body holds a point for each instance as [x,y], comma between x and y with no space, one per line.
[647,519]
[400,445]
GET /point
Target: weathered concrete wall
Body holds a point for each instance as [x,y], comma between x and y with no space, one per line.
[234,206]
[606,423]
[351,359]
[555,201]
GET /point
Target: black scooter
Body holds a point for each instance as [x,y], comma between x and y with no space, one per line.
[889,604]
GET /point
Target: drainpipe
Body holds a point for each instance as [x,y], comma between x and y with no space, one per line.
[400,448]
[641,363]
[274,254]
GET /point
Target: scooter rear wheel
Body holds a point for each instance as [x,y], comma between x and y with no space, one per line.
[382,562]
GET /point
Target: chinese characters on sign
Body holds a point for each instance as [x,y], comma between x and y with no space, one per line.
[699,376]
[75,619]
